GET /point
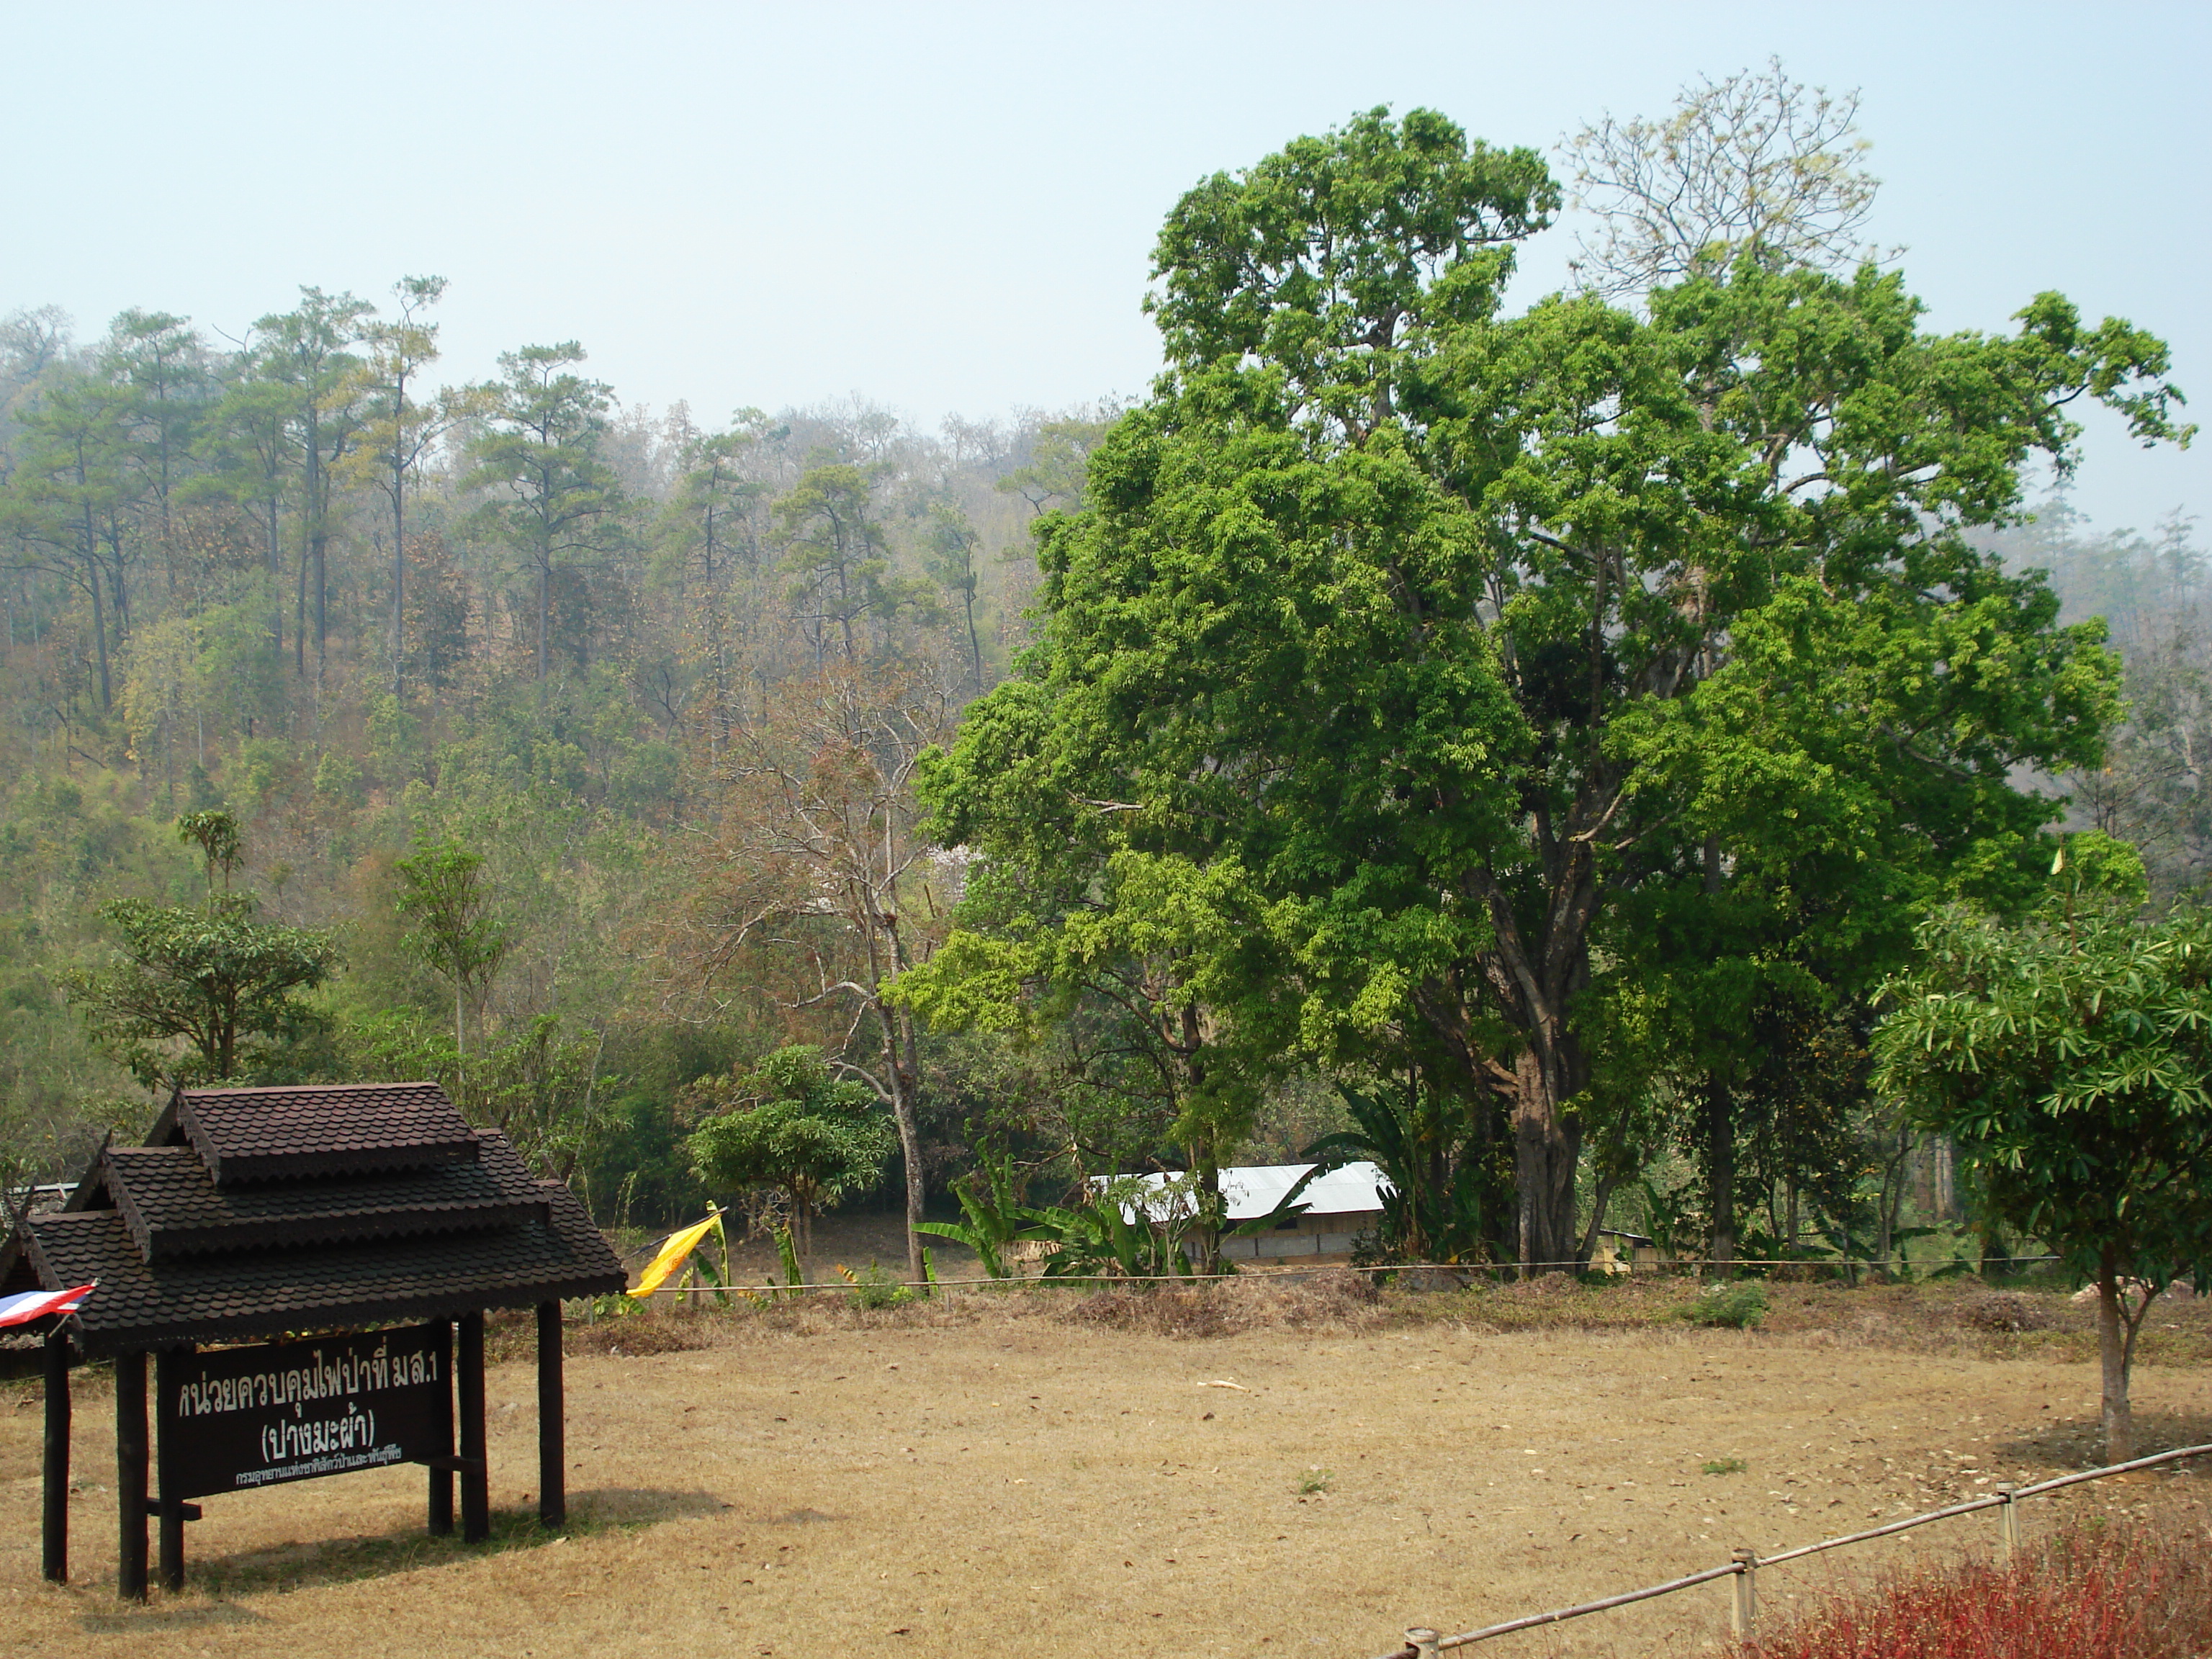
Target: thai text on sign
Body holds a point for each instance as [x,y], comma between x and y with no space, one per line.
[290,1411]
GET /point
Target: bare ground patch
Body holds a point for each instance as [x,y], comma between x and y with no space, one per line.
[1279,1468]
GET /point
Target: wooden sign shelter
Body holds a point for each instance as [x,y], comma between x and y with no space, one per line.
[342,1210]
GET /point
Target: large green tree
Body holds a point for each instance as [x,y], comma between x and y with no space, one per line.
[1445,625]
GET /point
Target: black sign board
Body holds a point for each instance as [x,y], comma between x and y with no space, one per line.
[290,1411]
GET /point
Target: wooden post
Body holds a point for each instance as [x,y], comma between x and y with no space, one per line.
[552,1451]
[475,1477]
[55,1540]
[441,1474]
[130,1475]
[1423,1641]
[1744,1615]
[168,1376]
[2007,1524]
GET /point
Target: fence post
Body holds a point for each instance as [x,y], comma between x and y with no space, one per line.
[1745,1614]
[2007,1524]
[1423,1641]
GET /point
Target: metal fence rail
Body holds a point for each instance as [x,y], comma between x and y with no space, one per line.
[1422,1643]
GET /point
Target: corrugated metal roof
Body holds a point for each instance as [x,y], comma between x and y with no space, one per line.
[1253,1189]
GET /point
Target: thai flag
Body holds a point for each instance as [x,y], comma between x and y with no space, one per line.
[36,1304]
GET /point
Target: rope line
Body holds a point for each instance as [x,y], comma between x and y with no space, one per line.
[1530,1621]
[1289,1266]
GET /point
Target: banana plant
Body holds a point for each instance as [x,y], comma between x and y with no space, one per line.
[994,1221]
[1432,1200]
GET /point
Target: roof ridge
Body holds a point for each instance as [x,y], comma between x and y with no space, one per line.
[316,1088]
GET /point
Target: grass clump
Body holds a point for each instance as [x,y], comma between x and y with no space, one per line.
[1724,1466]
[1733,1305]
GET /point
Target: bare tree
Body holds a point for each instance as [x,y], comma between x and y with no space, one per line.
[813,887]
[1755,163]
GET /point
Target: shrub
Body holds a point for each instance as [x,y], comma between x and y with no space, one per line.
[1737,1305]
[872,1287]
[2094,1593]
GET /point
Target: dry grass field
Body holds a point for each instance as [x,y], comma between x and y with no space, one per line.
[1267,1468]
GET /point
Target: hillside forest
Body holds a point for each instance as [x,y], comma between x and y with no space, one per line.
[1147,785]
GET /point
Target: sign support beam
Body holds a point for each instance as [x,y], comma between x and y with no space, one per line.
[476,1481]
[130,1475]
[552,1450]
[168,1378]
[55,1542]
[441,1473]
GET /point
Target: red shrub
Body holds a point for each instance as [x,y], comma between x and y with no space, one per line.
[2100,1593]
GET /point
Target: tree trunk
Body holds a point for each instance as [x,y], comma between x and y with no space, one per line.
[901,1082]
[99,626]
[2112,1345]
[1600,1200]
[1720,1174]
[1206,1237]
[275,582]
[398,575]
[317,505]
[1547,1142]
[299,617]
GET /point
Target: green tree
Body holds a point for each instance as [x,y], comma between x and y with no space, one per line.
[711,528]
[788,1124]
[64,495]
[950,547]
[834,547]
[156,363]
[308,351]
[556,502]
[401,427]
[244,449]
[1059,452]
[544,1089]
[2067,1055]
[1445,624]
[211,978]
[456,934]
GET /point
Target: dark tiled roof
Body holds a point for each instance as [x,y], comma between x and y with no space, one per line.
[172,1208]
[265,1135]
[142,1302]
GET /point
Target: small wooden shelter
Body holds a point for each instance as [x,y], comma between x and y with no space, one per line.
[330,1214]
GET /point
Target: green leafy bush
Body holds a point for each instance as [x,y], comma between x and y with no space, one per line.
[1738,1306]
[872,1287]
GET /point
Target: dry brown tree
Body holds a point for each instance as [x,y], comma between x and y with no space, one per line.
[811,886]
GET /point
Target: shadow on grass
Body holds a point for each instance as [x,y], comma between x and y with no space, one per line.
[211,1583]
[2078,1444]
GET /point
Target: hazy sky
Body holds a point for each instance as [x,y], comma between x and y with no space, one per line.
[952,207]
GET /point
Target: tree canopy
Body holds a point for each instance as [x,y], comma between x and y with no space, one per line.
[1448,629]
[788,1124]
[2068,1056]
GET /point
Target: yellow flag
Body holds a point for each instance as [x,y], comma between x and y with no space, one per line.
[679,1245]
